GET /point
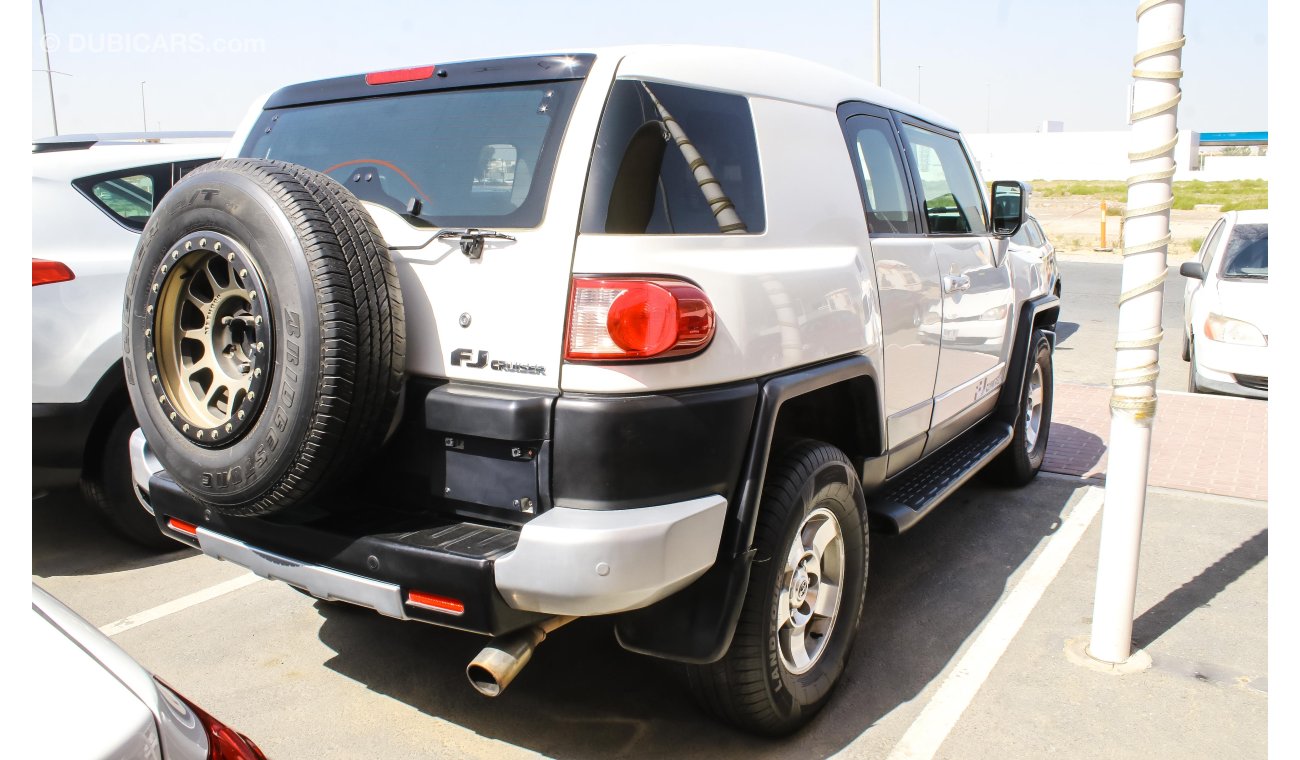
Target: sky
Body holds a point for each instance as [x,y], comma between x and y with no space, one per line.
[988,65]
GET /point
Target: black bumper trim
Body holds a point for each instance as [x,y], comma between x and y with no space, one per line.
[435,555]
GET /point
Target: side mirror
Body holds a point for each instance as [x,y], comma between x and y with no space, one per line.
[1009,207]
[1192,269]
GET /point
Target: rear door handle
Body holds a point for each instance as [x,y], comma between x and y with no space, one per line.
[958,284]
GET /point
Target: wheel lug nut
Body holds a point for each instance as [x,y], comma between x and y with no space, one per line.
[240,414]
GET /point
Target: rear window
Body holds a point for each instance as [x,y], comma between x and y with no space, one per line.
[457,158]
[674,160]
[1247,253]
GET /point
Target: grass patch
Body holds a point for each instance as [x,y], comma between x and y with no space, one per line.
[1195,243]
[1232,196]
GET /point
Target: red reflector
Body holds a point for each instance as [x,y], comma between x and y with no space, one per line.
[46,272]
[435,602]
[182,527]
[400,75]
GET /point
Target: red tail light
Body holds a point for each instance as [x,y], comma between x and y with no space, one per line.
[400,75]
[620,319]
[46,272]
[224,742]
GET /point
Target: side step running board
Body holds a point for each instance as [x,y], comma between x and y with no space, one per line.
[901,502]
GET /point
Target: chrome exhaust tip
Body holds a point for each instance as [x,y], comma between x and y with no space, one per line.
[492,670]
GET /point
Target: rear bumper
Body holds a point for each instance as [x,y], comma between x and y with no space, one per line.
[565,561]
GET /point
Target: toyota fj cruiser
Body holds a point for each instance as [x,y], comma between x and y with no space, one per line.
[656,333]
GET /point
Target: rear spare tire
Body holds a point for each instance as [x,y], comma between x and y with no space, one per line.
[264,335]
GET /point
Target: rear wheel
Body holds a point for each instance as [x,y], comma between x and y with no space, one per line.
[265,335]
[804,600]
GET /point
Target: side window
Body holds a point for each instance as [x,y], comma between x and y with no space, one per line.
[953,203]
[1036,236]
[1211,242]
[674,160]
[880,176]
[128,197]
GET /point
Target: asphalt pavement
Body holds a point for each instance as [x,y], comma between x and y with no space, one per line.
[1088,325]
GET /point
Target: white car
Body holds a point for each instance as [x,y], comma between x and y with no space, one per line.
[1225,308]
[98,702]
[91,197]
[1030,240]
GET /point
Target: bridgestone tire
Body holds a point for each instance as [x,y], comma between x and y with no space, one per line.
[320,347]
[1019,462]
[751,686]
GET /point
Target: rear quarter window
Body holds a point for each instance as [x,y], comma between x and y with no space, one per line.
[128,198]
[672,160]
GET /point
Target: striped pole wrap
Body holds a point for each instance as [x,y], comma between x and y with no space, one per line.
[1124,396]
[724,211]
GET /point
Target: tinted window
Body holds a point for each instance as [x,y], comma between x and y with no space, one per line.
[953,203]
[457,158]
[1036,236]
[880,175]
[129,198]
[674,160]
[1247,252]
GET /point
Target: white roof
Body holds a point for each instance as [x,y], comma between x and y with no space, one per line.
[97,159]
[760,73]
[1253,216]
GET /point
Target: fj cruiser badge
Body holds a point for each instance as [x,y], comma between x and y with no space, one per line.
[461,358]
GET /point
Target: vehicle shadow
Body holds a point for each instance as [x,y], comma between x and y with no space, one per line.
[584,697]
[1072,450]
[1064,330]
[69,537]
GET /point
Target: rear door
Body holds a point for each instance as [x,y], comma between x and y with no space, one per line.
[436,156]
[907,278]
[977,293]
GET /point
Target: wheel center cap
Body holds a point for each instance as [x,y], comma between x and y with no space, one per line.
[799,589]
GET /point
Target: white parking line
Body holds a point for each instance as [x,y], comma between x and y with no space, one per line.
[185,602]
[931,728]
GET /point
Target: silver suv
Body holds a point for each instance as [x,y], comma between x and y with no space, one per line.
[657,333]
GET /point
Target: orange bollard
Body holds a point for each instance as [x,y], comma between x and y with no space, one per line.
[1103,245]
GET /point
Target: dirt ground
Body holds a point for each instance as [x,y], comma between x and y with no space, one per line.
[1074,225]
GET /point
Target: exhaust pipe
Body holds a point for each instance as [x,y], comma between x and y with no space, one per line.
[501,660]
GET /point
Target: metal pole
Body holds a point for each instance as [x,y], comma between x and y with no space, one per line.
[49,75]
[144,115]
[877,30]
[1157,69]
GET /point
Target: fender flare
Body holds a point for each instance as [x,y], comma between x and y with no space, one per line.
[696,624]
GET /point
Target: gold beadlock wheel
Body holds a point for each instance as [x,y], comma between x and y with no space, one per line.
[210,344]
